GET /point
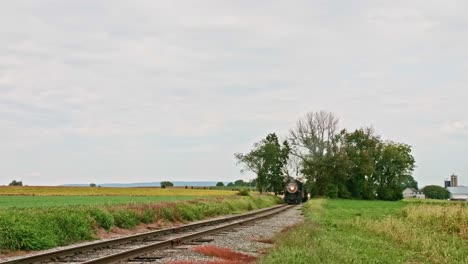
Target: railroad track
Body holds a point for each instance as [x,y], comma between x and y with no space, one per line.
[131,247]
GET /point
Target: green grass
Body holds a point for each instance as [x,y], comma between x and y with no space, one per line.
[347,231]
[53,201]
[34,228]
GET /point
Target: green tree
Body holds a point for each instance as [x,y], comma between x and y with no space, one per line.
[16,183]
[362,150]
[393,167]
[165,184]
[230,184]
[239,183]
[92,185]
[436,192]
[410,182]
[267,159]
[220,184]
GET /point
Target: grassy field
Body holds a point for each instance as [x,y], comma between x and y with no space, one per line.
[346,231]
[54,201]
[36,228]
[101,191]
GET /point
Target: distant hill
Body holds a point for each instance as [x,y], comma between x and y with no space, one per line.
[151,184]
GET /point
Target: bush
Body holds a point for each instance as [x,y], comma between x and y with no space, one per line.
[148,216]
[186,212]
[167,214]
[244,192]
[436,192]
[126,219]
[103,218]
[33,229]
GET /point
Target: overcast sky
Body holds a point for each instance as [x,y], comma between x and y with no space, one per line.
[137,91]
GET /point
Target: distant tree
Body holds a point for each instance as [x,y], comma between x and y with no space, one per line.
[165,184]
[220,184]
[16,183]
[92,185]
[436,192]
[253,183]
[239,183]
[230,184]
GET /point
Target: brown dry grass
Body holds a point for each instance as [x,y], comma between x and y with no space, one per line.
[224,253]
[222,261]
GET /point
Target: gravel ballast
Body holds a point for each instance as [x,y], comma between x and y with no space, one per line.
[244,239]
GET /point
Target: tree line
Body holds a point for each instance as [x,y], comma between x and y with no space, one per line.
[335,163]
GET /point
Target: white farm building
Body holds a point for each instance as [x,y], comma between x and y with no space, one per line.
[413,193]
[458,193]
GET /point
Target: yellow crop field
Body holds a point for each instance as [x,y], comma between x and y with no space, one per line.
[106,191]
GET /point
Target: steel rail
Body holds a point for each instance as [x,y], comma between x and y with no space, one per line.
[178,240]
[117,241]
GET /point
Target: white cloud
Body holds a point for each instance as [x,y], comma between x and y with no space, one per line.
[115,80]
[456,127]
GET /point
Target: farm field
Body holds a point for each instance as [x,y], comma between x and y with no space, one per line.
[32,227]
[102,191]
[20,201]
[347,231]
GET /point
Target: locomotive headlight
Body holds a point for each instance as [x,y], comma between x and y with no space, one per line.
[292,188]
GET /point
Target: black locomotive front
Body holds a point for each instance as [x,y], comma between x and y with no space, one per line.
[295,193]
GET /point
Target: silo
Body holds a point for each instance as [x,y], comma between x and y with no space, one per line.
[447,183]
[454,180]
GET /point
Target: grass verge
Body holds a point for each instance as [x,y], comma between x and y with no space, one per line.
[42,228]
[346,231]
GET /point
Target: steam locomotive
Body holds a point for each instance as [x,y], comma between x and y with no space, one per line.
[295,192]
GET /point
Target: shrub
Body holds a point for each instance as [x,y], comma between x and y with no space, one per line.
[125,218]
[186,212]
[103,218]
[244,192]
[148,216]
[18,233]
[34,229]
[436,192]
[167,214]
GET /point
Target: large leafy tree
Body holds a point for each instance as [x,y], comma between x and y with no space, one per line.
[394,166]
[267,159]
[362,151]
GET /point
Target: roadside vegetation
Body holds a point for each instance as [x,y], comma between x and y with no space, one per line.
[347,231]
[41,228]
